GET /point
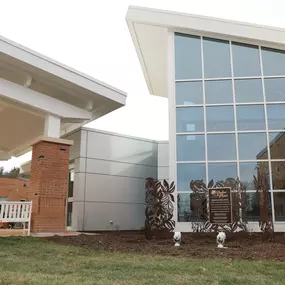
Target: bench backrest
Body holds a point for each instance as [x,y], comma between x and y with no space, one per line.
[15,211]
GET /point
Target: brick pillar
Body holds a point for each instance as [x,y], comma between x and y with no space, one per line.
[49,185]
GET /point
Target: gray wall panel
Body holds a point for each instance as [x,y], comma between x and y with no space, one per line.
[79,186]
[74,151]
[121,149]
[120,169]
[110,179]
[163,161]
[77,216]
[106,188]
[124,216]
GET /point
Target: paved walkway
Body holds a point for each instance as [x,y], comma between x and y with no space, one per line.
[19,232]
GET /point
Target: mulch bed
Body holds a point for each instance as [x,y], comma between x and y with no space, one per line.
[194,245]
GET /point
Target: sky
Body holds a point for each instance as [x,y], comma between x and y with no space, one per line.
[92,37]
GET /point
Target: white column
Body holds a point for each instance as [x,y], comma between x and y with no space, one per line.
[52,126]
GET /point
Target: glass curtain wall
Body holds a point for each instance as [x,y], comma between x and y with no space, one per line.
[230,118]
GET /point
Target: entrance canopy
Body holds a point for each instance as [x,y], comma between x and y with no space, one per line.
[152,30]
[41,97]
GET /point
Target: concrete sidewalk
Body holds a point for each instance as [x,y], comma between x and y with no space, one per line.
[19,232]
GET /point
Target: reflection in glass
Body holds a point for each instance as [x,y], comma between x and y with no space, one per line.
[250,169]
[246,60]
[189,93]
[252,209]
[70,183]
[248,90]
[189,119]
[276,116]
[183,207]
[278,174]
[218,91]
[220,118]
[279,206]
[277,145]
[221,147]
[187,172]
[69,214]
[217,61]
[187,208]
[250,117]
[252,146]
[274,89]
[222,171]
[190,147]
[188,63]
[273,62]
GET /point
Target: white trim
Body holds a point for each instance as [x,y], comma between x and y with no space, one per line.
[45,103]
[267,136]
[52,126]
[59,70]
[204,111]
[172,116]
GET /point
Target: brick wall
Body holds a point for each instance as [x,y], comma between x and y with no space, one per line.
[48,186]
[13,188]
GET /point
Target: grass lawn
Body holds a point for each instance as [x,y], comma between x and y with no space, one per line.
[36,261]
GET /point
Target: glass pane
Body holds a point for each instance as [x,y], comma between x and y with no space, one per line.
[187,172]
[217,61]
[189,93]
[277,145]
[220,118]
[71,184]
[279,206]
[273,62]
[250,118]
[252,146]
[183,205]
[190,147]
[252,209]
[188,63]
[248,169]
[189,119]
[278,174]
[248,90]
[245,60]
[221,147]
[274,89]
[222,171]
[187,207]
[69,214]
[276,117]
[218,91]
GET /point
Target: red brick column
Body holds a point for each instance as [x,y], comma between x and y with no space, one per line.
[49,185]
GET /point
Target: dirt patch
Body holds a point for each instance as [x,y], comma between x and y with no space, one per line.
[194,245]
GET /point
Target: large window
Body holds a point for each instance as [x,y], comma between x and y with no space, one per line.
[230,118]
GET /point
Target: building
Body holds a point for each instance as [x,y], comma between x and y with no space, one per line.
[107,173]
[41,102]
[225,82]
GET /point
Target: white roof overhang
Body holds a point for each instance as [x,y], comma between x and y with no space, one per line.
[150,28]
[32,86]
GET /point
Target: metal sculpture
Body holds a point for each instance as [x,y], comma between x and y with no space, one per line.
[199,206]
[262,195]
[159,208]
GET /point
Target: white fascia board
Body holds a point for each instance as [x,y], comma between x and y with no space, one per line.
[40,101]
[57,69]
[182,21]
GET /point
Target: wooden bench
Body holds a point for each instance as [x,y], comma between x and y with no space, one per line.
[16,212]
